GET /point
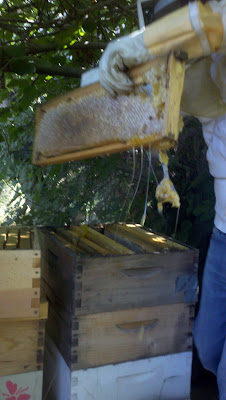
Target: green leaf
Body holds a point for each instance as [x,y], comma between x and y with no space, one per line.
[5,114]
[4,93]
[48,77]
[20,83]
[15,50]
[45,63]
[89,26]
[21,66]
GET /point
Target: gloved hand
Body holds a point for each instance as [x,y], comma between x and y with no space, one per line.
[218,73]
[118,57]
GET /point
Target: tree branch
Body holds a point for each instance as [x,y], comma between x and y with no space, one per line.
[35,47]
[54,70]
[97,6]
[10,28]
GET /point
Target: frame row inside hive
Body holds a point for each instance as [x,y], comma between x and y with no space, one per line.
[20,272]
[88,122]
[116,239]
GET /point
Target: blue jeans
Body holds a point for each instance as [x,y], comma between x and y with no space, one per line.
[210,324]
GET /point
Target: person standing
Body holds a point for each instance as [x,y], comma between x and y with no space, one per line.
[208,103]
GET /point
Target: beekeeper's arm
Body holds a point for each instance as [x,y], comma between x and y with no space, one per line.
[218,75]
[159,38]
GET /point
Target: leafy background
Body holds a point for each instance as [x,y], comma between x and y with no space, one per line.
[44,48]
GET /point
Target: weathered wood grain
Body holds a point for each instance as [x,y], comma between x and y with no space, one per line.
[175,84]
[58,268]
[108,338]
[22,344]
[20,275]
[84,284]
[110,246]
[132,281]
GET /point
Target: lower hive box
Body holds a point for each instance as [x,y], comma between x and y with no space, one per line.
[157,378]
[117,293]
[114,337]
[22,343]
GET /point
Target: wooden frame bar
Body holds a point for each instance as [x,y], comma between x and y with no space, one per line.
[163,140]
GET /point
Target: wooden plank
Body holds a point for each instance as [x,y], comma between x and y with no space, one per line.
[21,345]
[12,238]
[123,241]
[25,238]
[174,85]
[78,241]
[43,315]
[114,337]
[16,269]
[174,31]
[157,242]
[17,302]
[132,281]
[103,150]
[119,230]
[160,241]
[19,269]
[66,243]
[79,232]
[3,236]
[127,335]
[104,242]
[59,268]
[44,310]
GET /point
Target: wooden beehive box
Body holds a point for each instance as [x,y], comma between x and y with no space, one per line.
[22,343]
[20,273]
[119,294]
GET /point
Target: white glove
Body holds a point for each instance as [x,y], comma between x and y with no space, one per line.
[119,55]
[218,73]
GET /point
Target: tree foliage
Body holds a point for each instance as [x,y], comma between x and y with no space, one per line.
[44,48]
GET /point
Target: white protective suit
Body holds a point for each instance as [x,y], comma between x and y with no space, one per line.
[214,133]
[207,101]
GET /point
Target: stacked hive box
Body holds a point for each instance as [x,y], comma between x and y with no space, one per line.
[117,293]
[22,315]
